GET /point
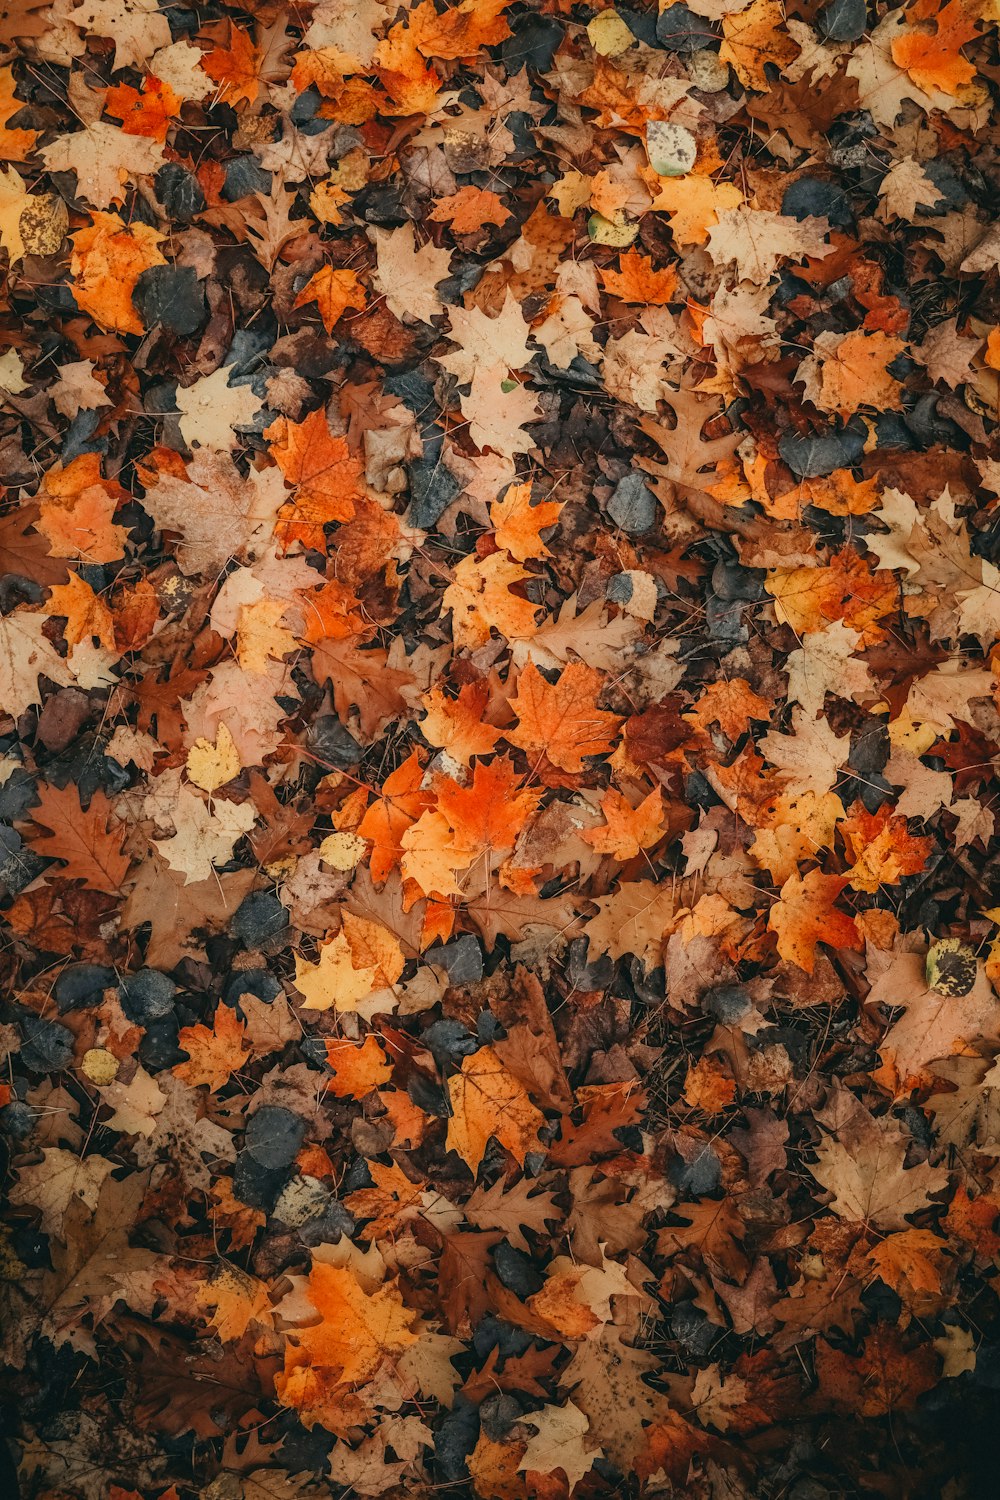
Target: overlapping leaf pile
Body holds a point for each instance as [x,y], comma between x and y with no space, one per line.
[499,579]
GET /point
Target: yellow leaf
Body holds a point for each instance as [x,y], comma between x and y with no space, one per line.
[211,766]
[334,980]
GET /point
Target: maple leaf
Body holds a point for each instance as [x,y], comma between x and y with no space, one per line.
[76,512]
[59,1179]
[108,258]
[518,524]
[469,209]
[456,724]
[933,1027]
[627,830]
[805,915]
[910,1261]
[933,57]
[15,144]
[558,1444]
[752,37]
[357,1070]
[485,340]
[321,470]
[869,1180]
[360,1331]
[104,158]
[204,834]
[884,1380]
[561,719]
[362,680]
[212,407]
[882,847]
[407,276]
[401,801]
[487,1101]
[236,1300]
[480,599]
[82,841]
[636,280]
[461,31]
[148,113]
[363,957]
[755,240]
[635,918]
[214,1052]
[333,292]
[86,614]
[236,69]
[486,816]
[849,371]
[135,26]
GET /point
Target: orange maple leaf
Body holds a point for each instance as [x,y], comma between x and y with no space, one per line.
[933,57]
[323,472]
[15,144]
[460,31]
[350,101]
[910,1261]
[882,847]
[488,1101]
[356,1070]
[409,82]
[333,292]
[481,600]
[636,280]
[809,599]
[333,612]
[148,113]
[76,512]
[469,209]
[236,68]
[487,815]
[400,803]
[108,258]
[87,616]
[359,1331]
[731,705]
[561,719]
[627,829]
[82,841]
[214,1052]
[805,915]
[457,724]
[518,525]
